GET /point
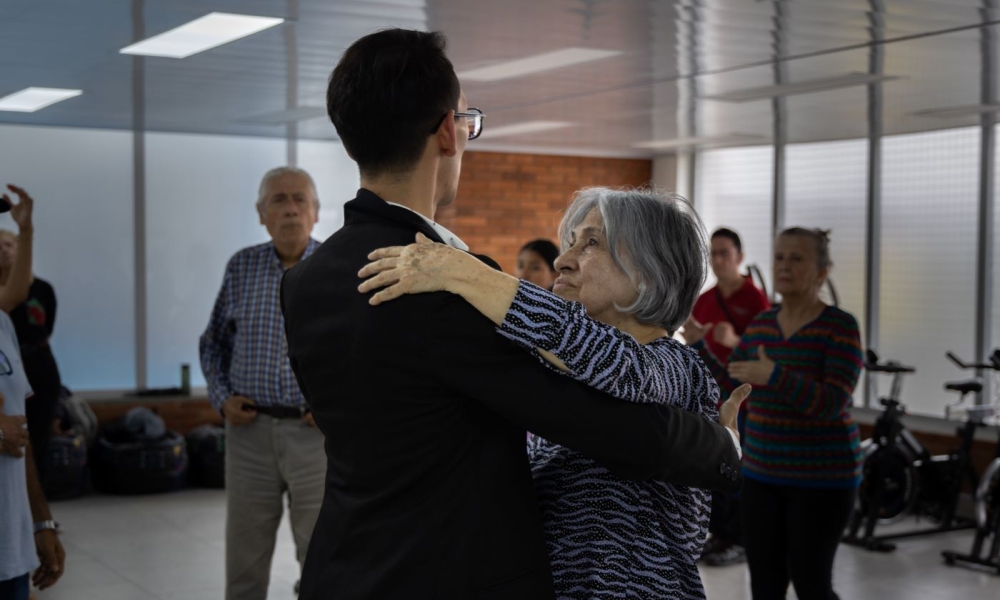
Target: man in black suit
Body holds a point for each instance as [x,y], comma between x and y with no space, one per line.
[423,406]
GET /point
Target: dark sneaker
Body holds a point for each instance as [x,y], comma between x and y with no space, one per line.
[733,554]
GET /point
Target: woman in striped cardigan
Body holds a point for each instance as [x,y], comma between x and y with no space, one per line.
[802,461]
[632,264]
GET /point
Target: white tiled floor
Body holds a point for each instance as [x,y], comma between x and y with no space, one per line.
[170,547]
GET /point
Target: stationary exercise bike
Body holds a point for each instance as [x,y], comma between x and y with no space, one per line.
[987,493]
[901,478]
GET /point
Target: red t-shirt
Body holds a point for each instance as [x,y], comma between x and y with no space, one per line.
[745,304]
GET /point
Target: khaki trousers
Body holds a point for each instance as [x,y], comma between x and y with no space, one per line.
[265,460]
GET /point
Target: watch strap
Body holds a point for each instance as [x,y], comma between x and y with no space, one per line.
[43,525]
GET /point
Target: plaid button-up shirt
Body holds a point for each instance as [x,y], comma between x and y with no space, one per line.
[243,350]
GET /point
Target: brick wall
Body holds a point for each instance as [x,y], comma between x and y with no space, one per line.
[506,200]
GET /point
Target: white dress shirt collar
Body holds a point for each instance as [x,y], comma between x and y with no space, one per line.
[449,238]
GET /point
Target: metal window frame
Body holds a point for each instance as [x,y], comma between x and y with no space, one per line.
[139,196]
[985,238]
[139,237]
[873,222]
[986,243]
[780,123]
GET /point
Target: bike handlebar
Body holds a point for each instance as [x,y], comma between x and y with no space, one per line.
[872,364]
[993,365]
[889,367]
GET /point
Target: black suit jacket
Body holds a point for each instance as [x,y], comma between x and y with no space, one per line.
[424,410]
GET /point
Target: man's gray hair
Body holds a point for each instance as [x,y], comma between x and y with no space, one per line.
[273,174]
[657,240]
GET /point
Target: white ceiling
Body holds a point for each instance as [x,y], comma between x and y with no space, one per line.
[674,53]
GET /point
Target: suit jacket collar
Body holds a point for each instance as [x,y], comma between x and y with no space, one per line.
[368,204]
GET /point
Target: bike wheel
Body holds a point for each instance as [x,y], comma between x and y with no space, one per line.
[899,478]
[988,496]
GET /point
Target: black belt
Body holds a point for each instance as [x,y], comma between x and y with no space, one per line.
[278,412]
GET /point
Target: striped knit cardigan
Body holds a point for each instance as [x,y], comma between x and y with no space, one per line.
[799,431]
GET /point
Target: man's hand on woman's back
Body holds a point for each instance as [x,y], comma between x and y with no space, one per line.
[730,411]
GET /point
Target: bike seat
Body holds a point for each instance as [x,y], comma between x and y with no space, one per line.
[965,387]
[889,367]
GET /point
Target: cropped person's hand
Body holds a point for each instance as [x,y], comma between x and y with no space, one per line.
[694,331]
[729,412]
[422,267]
[20,212]
[15,435]
[235,413]
[757,371]
[52,556]
[308,419]
[725,334]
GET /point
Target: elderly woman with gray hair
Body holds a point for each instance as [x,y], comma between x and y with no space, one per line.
[632,265]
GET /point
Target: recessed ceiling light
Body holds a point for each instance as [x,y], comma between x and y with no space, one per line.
[523,128]
[35,98]
[802,87]
[957,111]
[210,31]
[548,61]
[732,139]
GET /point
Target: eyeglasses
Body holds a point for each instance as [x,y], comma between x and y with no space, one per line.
[475,119]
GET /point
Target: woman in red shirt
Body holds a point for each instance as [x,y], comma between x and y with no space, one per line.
[733,302]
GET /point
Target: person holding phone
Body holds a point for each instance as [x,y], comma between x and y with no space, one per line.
[34,318]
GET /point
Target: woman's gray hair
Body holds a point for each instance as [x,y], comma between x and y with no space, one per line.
[273,174]
[657,240]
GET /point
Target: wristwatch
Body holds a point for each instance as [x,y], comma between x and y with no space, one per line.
[43,525]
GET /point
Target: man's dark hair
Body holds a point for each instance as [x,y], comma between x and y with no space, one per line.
[731,235]
[544,248]
[386,95]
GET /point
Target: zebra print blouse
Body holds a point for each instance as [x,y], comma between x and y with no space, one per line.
[608,537]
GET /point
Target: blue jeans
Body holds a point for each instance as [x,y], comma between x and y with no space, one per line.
[16,589]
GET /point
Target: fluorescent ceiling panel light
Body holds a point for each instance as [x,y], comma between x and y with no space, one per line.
[35,98]
[957,111]
[802,87]
[539,63]
[292,115]
[735,138]
[210,31]
[523,128]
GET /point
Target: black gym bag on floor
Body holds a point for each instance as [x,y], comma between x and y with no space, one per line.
[67,472]
[138,456]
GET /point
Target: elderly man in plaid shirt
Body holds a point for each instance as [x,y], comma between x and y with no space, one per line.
[273,446]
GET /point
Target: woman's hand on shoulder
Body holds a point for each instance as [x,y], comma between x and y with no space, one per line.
[422,267]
